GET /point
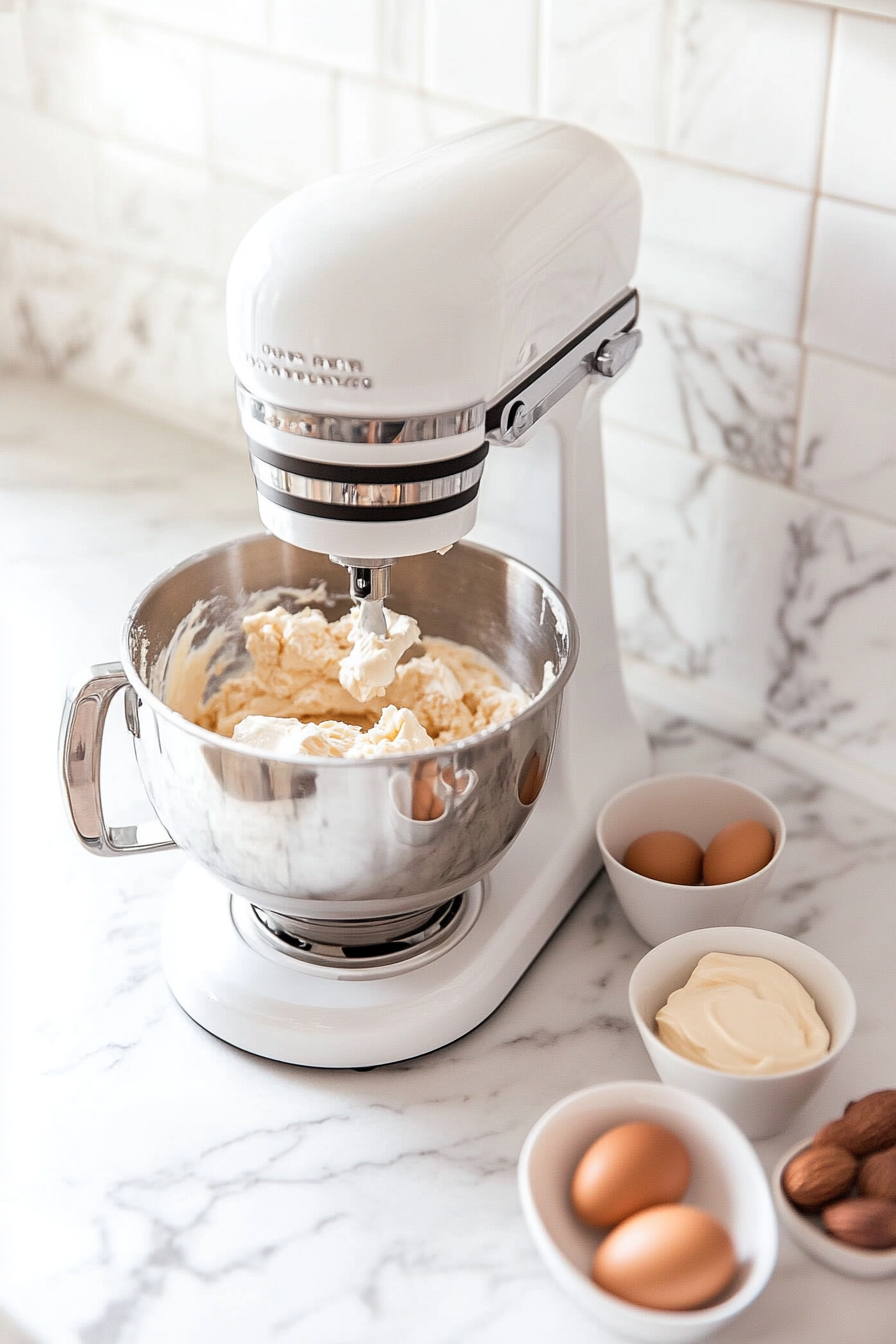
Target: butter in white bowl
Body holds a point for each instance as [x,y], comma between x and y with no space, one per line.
[762,1103]
[744,1015]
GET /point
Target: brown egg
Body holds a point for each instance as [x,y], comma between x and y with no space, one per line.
[737,851]
[672,1257]
[627,1169]
[666,856]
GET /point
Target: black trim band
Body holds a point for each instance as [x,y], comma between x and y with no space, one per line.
[353,513]
[381,475]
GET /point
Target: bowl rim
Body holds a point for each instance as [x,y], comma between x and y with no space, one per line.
[583,1288]
[807,1232]
[158,706]
[764,1079]
[687,887]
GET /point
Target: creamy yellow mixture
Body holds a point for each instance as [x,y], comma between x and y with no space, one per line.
[327,688]
[743,1015]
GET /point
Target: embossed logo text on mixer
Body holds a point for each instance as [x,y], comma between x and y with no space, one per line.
[330,370]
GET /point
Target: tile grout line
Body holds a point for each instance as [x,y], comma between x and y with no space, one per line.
[207,163]
[543,29]
[97,249]
[881,370]
[808,497]
[392,84]
[810,255]
[672,46]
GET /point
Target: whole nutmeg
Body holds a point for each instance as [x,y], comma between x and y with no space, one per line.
[819,1175]
[866,1126]
[870,1223]
[877,1175]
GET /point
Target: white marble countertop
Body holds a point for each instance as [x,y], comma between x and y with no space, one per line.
[159,1185]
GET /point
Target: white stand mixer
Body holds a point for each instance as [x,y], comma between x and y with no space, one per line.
[388,329]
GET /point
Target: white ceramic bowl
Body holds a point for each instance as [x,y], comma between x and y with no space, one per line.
[727,1180]
[761,1106]
[808,1232]
[698,805]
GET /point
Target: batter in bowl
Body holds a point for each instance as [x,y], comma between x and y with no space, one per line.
[327,688]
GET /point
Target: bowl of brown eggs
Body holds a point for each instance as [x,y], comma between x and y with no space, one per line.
[688,852]
[650,1209]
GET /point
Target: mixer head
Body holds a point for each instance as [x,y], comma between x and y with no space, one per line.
[386,325]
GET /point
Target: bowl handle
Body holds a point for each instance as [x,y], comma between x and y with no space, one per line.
[80,747]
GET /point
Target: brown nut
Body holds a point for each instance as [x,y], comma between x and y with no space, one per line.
[866,1126]
[877,1175]
[819,1175]
[870,1223]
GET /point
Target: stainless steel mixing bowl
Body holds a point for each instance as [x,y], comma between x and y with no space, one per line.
[329,839]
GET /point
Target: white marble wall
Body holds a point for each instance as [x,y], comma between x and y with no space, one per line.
[752,451]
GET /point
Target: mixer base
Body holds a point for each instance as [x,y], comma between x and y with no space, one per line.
[250,993]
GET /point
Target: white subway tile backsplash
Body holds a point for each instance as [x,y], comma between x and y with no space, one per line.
[834,646]
[60,43]
[401,40]
[860,144]
[780,603]
[345,35]
[483,51]
[152,208]
[155,336]
[717,389]
[847,448]
[47,173]
[852,289]
[226,20]
[377,120]
[270,122]
[722,245]
[235,208]
[15,83]
[179,215]
[49,298]
[149,86]
[749,86]
[160,332]
[606,67]
[696,584]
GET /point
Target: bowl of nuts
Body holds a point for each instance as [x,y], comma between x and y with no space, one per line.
[835,1194]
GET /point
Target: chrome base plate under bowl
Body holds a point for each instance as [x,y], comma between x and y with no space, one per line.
[361,949]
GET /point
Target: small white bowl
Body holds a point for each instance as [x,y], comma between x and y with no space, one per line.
[808,1232]
[727,1180]
[761,1106]
[698,805]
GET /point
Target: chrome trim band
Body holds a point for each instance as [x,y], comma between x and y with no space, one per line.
[349,429]
[349,513]
[366,495]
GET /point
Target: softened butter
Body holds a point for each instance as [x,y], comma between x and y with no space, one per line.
[744,1015]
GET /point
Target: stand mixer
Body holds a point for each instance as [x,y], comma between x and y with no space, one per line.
[400,336]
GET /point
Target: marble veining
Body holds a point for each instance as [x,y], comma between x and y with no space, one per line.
[717,389]
[723,54]
[847,436]
[97,322]
[792,620]
[160,1185]
[716,402]
[815,689]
